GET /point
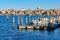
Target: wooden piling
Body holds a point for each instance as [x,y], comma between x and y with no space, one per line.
[7,17]
[13,21]
[18,21]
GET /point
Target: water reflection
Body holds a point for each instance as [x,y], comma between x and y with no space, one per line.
[30,35]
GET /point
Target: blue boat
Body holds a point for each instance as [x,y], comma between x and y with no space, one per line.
[52,26]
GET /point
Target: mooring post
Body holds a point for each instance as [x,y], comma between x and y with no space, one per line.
[7,17]
[18,21]
[28,19]
[13,21]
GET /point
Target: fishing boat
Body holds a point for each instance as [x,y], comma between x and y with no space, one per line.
[45,23]
[52,24]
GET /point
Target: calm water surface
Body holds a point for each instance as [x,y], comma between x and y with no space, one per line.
[6,32]
[30,35]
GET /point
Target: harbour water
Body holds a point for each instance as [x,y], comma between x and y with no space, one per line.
[7,33]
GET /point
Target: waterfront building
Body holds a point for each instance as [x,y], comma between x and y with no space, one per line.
[13,11]
[3,12]
[8,12]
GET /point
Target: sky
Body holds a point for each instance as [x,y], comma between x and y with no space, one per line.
[32,4]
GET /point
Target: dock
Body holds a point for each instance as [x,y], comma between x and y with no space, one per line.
[31,27]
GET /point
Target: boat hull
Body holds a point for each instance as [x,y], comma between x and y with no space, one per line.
[52,27]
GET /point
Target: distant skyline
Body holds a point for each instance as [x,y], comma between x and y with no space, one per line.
[32,4]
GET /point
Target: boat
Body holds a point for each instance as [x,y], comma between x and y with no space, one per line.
[52,26]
